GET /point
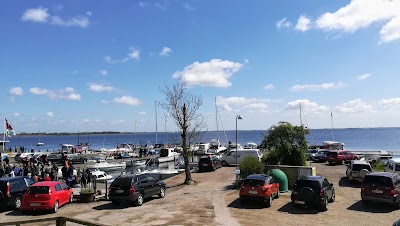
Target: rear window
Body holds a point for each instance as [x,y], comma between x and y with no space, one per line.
[122,181]
[307,183]
[205,160]
[37,190]
[254,183]
[358,167]
[332,154]
[377,181]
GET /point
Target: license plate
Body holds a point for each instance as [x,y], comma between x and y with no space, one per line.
[377,191]
[254,192]
[34,204]
[205,164]
[299,202]
[119,191]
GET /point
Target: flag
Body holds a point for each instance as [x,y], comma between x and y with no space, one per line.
[9,130]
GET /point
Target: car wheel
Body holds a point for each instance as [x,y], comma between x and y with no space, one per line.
[17,203]
[333,196]
[55,207]
[71,198]
[269,202]
[330,163]
[139,200]
[324,205]
[162,192]
[224,163]
[278,194]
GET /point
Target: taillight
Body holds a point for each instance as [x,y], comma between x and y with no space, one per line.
[362,189]
[393,192]
[322,193]
[50,191]
[132,189]
[264,188]
[8,189]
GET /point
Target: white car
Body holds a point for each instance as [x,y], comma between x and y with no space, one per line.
[357,169]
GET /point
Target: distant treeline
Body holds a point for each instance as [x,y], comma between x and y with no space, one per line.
[66,133]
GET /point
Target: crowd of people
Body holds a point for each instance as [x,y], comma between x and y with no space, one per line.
[41,170]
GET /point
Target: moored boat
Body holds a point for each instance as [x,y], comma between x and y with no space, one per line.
[106,166]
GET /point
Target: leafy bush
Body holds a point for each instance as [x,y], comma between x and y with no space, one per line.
[250,165]
[87,191]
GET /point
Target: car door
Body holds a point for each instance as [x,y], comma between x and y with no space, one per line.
[328,189]
[59,194]
[66,191]
[274,186]
[145,186]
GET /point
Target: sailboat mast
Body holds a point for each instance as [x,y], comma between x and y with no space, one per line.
[155,105]
[333,137]
[301,120]
[216,113]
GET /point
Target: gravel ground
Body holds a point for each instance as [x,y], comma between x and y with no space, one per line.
[213,201]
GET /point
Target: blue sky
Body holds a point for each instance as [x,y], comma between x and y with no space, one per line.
[98,65]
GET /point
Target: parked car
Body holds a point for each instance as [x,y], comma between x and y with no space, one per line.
[357,170]
[76,158]
[320,156]
[209,163]
[259,188]
[55,158]
[313,191]
[47,195]
[20,156]
[135,188]
[122,156]
[239,155]
[381,187]
[310,153]
[12,190]
[392,165]
[340,157]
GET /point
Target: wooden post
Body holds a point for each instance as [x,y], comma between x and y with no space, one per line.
[61,222]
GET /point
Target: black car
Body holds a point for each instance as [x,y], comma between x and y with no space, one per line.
[12,190]
[135,188]
[209,163]
[55,158]
[313,191]
[76,158]
[381,187]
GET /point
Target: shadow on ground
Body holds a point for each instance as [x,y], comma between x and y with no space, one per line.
[372,207]
[344,182]
[289,208]
[237,205]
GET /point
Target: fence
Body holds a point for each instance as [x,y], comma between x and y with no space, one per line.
[60,221]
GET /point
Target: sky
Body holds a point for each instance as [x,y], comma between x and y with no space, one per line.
[71,66]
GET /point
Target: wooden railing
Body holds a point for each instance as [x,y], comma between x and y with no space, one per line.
[60,221]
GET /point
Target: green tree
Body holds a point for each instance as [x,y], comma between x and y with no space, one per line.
[183,108]
[250,165]
[286,144]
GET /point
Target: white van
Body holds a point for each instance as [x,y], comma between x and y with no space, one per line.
[230,157]
[393,165]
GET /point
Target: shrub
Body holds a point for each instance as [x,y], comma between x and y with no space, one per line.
[87,191]
[250,165]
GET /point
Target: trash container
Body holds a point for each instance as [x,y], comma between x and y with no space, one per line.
[281,177]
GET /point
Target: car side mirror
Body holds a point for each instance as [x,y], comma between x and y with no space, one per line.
[331,184]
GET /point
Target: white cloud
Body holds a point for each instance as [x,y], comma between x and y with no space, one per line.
[188,7]
[89,13]
[39,15]
[50,114]
[16,91]
[269,87]
[237,103]
[316,87]
[360,14]
[105,102]
[101,88]
[103,72]
[303,24]
[363,77]
[141,112]
[165,51]
[133,54]
[306,105]
[214,73]
[67,93]
[16,114]
[284,23]
[127,100]
[392,103]
[353,106]
[77,21]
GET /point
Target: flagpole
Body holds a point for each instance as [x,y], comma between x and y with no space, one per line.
[333,138]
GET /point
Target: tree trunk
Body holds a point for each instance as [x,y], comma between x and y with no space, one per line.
[188,175]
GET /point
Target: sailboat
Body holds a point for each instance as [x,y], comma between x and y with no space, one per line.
[39,143]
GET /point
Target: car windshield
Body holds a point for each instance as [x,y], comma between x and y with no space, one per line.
[254,183]
[35,190]
[377,181]
[312,151]
[307,183]
[122,181]
[358,167]
[332,154]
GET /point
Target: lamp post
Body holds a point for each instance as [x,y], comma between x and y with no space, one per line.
[236,155]
[166,135]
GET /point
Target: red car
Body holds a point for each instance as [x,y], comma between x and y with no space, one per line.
[340,157]
[259,187]
[47,195]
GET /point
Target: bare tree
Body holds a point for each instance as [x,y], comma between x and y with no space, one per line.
[183,108]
